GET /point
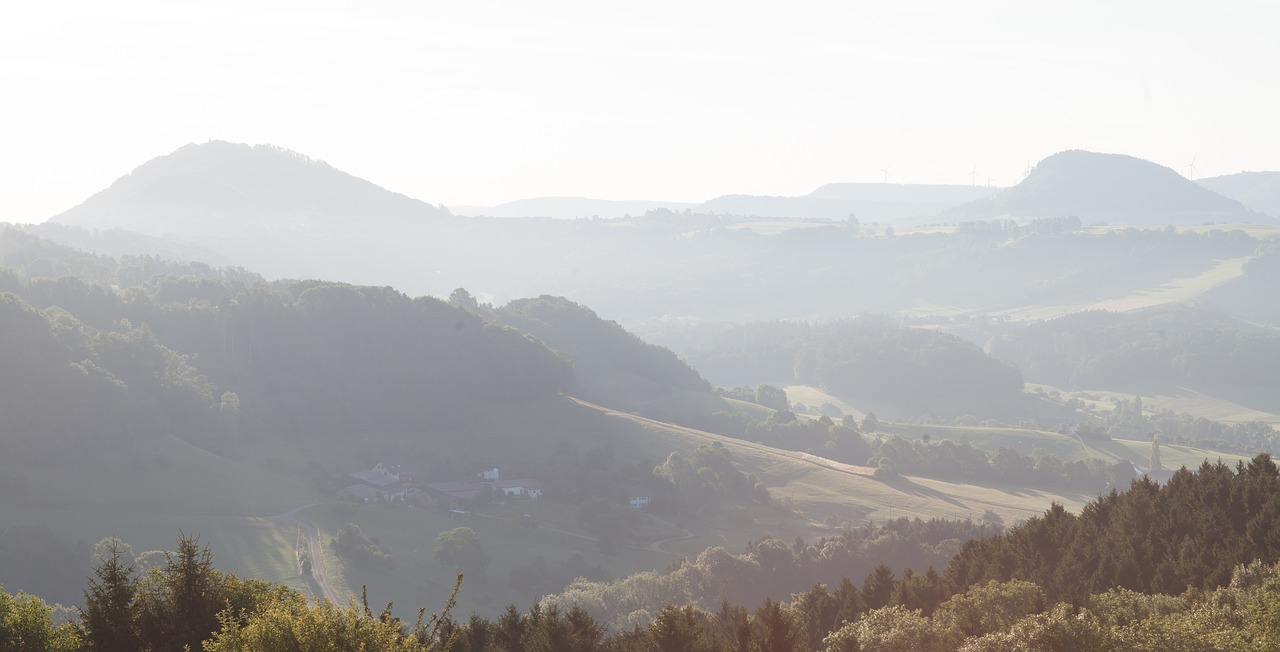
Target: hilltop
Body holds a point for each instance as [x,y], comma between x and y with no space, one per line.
[1110,188]
[262,207]
[218,187]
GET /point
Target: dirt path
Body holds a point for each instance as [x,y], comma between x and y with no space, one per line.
[319,579]
[656,546]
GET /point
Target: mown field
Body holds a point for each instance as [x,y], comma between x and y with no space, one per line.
[1245,404]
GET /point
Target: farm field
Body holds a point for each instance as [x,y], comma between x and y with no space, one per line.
[1066,447]
[1246,404]
[1178,290]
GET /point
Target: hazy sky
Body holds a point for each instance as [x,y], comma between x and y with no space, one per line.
[474,102]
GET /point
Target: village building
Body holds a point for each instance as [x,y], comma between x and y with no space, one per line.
[387,481]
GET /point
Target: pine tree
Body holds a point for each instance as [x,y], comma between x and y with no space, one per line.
[109,619]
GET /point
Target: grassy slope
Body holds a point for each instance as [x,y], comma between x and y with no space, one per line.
[1066,447]
[1178,290]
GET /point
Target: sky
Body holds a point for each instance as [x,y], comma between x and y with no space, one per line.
[483,102]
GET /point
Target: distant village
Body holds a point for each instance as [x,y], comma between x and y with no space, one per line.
[391,481]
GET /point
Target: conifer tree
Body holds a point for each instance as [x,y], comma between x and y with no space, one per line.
[109,619]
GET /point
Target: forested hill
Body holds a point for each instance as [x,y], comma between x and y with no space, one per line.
[1174,344]
[611,366]
[871,359]
[209,353]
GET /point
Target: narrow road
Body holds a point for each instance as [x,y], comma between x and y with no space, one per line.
[319,579]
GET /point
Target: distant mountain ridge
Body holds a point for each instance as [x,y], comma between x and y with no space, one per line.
[1107,187]
[215,187]
[567,208]
[868,202]
[1258,191]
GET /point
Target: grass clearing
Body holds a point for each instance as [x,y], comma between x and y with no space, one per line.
[814,397]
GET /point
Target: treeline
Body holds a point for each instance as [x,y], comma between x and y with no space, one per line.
[772,568]
[963,461]
[1189,532]
[188,604]
[1014,616]
[895,455]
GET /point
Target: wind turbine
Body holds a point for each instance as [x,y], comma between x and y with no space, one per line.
[973,176]
[885,170]
[1192,166]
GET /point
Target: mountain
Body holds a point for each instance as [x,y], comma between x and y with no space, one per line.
[569,208]
[259,207]
[1109,188]
[869,202]
[1258,191]
[219,186]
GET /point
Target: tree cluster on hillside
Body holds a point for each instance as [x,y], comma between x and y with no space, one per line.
[965,462]
[1129,420]
[353,545]
[770,568]
[709,477]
